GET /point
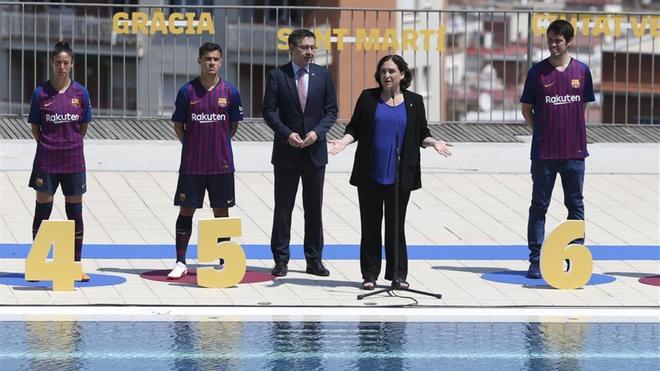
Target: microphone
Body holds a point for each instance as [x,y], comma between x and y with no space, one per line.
[396,132]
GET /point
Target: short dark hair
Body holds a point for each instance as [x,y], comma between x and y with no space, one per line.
[61,47]
[401,65]
[209,47]
[562,27]
[297,35]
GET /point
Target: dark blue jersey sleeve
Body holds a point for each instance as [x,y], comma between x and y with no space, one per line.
[181,106]
[35,116]
[235,107]
[529,91]
[588,87]
[87,110]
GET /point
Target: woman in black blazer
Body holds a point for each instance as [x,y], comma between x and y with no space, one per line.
[385,118]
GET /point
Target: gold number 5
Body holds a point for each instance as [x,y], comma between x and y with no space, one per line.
[557,248]
[209,251]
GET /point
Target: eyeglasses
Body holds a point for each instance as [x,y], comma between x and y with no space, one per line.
[305,48]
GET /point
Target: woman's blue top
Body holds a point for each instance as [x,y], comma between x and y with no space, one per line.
[386,134]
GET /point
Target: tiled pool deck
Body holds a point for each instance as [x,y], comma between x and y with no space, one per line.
[467,221]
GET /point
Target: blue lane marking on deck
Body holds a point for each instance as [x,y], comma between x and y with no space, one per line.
[415,252]
[518,278]
[95,280]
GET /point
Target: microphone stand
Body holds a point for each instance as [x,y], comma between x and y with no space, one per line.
[396,283]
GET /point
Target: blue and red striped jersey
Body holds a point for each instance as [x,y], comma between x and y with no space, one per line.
[207,115]
[60,144]
[559,99]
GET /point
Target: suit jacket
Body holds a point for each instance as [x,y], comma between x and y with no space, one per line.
[283,113]
[362,127]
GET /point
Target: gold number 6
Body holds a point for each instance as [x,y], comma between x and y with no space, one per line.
[557,248]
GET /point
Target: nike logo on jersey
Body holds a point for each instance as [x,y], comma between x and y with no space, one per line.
[548,85]
[195,102]
[48,104]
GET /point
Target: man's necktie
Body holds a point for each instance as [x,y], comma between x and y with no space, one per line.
[302,91]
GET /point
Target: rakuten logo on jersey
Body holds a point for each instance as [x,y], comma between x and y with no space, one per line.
[204,118]
[562,99]
[58,118]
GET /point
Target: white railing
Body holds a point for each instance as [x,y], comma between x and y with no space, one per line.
[470,65]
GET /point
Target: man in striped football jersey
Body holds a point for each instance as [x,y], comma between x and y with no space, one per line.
[554,98]
[206,115]
[60,112]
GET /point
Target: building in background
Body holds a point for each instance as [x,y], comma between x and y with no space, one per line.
[490,52]
[469,58]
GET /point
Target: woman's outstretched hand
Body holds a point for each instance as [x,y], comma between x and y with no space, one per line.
[339,145]
[442,147]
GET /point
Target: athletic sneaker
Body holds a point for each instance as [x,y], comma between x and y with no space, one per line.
[179,271]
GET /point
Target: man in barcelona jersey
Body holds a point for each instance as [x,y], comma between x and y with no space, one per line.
[60,112]
[556,92]
[206,115]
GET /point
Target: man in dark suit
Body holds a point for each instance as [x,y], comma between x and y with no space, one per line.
[300,105]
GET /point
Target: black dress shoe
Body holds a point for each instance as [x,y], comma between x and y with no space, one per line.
[534,271]
[317,269]
[400,285]
[280,270]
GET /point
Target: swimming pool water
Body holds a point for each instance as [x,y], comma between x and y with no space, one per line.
[328,345]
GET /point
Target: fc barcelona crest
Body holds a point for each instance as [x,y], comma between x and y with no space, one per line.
[575,83]
[75,102]
[39,182]
[222,102]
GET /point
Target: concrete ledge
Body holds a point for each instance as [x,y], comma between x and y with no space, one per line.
[468,158]
[326,314]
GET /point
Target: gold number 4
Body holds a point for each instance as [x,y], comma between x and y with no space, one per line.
[62,270]
[209,251]
[557,248]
